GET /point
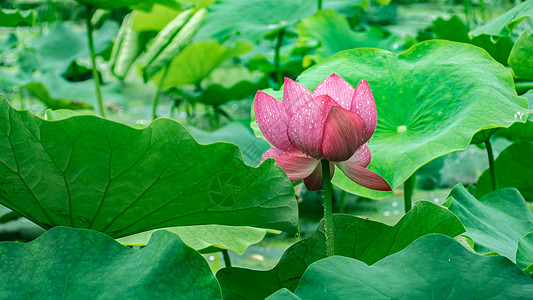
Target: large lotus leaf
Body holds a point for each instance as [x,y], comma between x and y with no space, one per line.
[496,222]
[62,45]
[514,168]
[521,58]
[504,24]
[70,263]
[154,20]
[116,4]
[360,238]
[15,17]
[88,172]
[334,34]
[198,60]
[236,133]
[520,131]
[433,267]
[430,101]
[454,29]
[210,237]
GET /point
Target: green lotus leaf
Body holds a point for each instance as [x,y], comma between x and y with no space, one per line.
[503,25]
[15,17]
[430,101]
[62,45]
[334,34]
[496,222]
[514,168]
[207,237]
[198,60]
[116,4]
[88,172]
[521,58]
[433,267]
[81,264]
[366,240]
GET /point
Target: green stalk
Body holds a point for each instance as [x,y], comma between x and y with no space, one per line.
[328,209]
[277,67]
[319,4]
[492,168]
[408,187]
[90,13]
[227,260]
[158,92]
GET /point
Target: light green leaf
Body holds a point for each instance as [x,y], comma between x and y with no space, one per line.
[70,263]
[15,17]
[433,267]
[116,4]
[254,19]
[171,40]
[503,25]
[496,222]
[334,34]
[521,58]
[198,60]
[92,173]
[62,45]
[430,101]
[514,168]
[234,238]
[360,238]
[154,20]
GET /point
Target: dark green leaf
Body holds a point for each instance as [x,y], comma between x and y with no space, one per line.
[68,263]
[15,17]
[524,253]
[433,267]
[92,173]
[514,168]
[366,240]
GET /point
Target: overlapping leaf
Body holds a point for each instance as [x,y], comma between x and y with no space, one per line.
[116,4]
[85,264]
[366,240]
[504,24]
[496,222]
[521,58]
[92,173]
[433,267]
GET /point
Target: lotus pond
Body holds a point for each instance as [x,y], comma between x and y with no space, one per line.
[302,149]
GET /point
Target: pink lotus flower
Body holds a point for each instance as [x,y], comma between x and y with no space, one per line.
[333,123]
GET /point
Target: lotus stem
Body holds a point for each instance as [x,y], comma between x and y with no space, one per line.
[522,87]
[492,167]
[277,67]
[328,209]
[319,4]
[342,207]
[90,13]
[227,260]
[408,187]
[158,92]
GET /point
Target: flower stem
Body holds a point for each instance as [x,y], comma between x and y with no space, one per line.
[492,168]
[319,4]
[328,209]
[408,187]
[90,12]
[277,67]
[227,260]
[158,92]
